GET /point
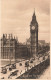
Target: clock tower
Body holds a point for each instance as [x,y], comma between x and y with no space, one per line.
[34,35]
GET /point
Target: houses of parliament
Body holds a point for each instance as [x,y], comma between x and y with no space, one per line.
[11,48]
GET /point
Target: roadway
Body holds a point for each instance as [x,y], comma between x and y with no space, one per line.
[22,69]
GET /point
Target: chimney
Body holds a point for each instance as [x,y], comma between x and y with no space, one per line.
[14,37]
[9,36]
[3,35]
[6,36]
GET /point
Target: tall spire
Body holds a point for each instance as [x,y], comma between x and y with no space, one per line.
[33,18]
[34,11]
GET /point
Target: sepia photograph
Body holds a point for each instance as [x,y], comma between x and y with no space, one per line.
[25,39]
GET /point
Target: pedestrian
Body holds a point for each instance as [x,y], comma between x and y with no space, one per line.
[21,70]
[25,69]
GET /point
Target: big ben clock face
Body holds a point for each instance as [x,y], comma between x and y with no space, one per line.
[33,27]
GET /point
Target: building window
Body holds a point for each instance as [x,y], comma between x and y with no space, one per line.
[11,49]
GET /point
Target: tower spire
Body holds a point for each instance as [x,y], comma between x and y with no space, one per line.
[34,11]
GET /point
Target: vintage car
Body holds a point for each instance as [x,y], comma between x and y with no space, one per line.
[43,57]
[20,64]
[10,68]
[31,61]
[13,73]
[4,70]
[26,63]
[2,78]
[13,66]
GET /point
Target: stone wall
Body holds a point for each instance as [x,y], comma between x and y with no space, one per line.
[36,71]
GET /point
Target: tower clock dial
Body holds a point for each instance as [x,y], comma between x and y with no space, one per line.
[33,27]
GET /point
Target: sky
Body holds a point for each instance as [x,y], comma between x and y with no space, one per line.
[16,16]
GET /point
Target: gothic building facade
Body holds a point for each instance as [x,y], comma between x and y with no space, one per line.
[11,48]
[8,47]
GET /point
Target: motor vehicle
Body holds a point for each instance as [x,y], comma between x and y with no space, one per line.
[33,58]
[20,64]
[26,63]
[13,66]
[13,73]
[10,68]
[4,70]
[2,78]
[43,57]
[31,61]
